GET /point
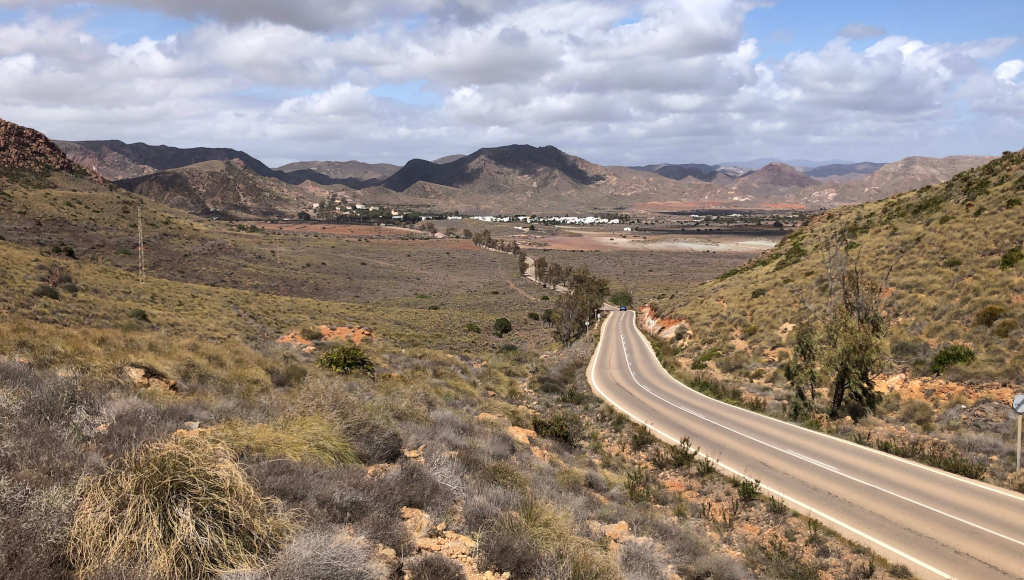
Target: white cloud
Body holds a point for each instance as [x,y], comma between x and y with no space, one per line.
[665,80]
[1008,71]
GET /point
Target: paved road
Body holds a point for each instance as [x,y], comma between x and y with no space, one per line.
[938,524]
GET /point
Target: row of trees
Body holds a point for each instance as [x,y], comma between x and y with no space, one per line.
[571,311]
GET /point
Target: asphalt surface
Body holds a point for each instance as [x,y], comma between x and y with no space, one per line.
[938,524]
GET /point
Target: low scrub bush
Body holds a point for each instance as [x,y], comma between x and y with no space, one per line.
[640,485]
[46,291]
[346,359]
[642,438]
[916,411]
[951,355]
[288,376]
[139,314]
[178,509]
[561,425]
[311,333]
[326,555]
[1011,258]
[433,566]
[1004,327]
[936,453]
[748,490]
[502,326]
[988,315]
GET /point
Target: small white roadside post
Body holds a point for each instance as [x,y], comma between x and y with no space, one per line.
[1018,406]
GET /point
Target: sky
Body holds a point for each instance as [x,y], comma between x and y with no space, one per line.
[615,82]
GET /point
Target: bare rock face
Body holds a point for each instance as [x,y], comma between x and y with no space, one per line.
[29,150]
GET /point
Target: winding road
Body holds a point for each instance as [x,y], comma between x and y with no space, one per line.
[938,524]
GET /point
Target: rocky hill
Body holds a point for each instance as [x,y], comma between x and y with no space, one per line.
[227,187]
[26,149]
[948,258]
[116,160]
[342,170]
[509,167]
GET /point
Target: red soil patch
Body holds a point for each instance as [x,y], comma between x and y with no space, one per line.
[355,334]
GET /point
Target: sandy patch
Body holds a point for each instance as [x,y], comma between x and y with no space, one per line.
[356,334]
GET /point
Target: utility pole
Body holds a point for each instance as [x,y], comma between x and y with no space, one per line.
[142,251]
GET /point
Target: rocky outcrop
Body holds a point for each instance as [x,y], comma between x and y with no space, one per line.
[26,149]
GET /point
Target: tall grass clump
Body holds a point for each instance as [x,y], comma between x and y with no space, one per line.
[311,439]
[178,509]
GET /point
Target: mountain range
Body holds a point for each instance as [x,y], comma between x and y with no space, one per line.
[498,180]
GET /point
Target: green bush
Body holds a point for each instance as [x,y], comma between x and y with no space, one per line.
[139,314]
[533,316]
[502,326]
[346,359]
[472,327]
[758,293]
[311,333]
[748,490]
[639,484]
[951,355]
[562,426]
[1011,258]
[642,438]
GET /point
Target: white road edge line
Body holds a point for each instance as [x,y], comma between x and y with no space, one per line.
[935,470]
[814,462]
[792,501]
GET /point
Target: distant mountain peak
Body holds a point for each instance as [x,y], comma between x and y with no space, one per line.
[27,149]
[485,164]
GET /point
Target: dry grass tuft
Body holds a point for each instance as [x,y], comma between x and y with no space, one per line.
[312,439]
[178,509]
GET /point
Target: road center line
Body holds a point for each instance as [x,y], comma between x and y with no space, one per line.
[816,463]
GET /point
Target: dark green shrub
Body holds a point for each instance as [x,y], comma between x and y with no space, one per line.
[471,327]
[502,326]
[1012,202]
[952,262]
[139,314]
[951,355]
[901,571]
[639,484]
[758,293]
[346,359]
[642,438]
[562,426]
[988,315]
[46,291]
[748,490]
[548,315]
[1011,258]
[533,316]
